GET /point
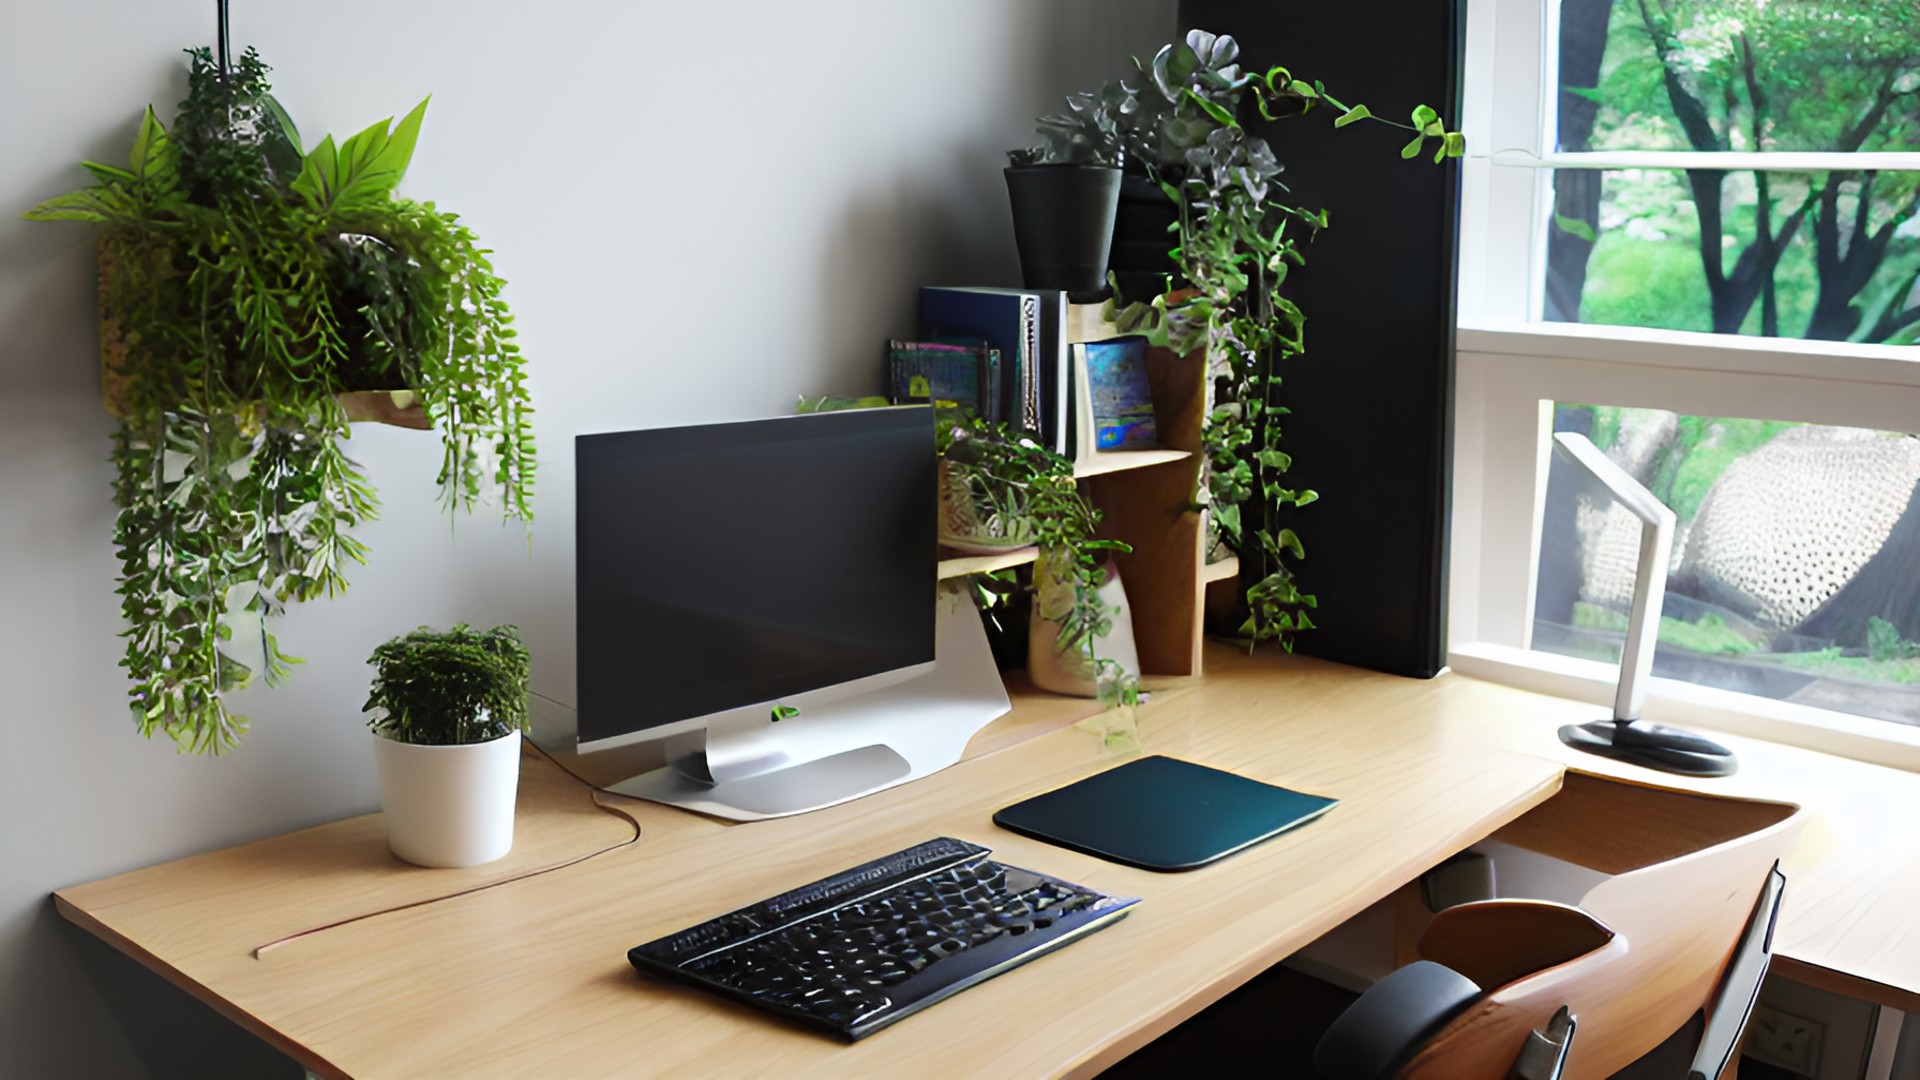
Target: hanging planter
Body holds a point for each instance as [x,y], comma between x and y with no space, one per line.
[256,297]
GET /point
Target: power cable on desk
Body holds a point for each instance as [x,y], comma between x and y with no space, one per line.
[593,793]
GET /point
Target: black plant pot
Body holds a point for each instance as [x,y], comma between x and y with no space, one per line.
[1143,239]
[1062,224]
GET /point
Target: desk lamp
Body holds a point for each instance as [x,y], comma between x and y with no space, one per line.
[1626,737]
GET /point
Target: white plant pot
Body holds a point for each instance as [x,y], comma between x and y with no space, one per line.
[1073,674]
[449,805]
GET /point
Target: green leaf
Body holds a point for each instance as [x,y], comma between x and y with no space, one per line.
[362,171]
[1291,542]
[1412,148]
[1456,144]
[1352,116]
[1575,227]
[93,204]
[1220,115]
[1275,459]
[108,174]
[1300,89]
[1588,92]
[284,121]
[1424,115]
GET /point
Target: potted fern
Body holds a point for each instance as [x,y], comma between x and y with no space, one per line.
[448,711]
[256,296]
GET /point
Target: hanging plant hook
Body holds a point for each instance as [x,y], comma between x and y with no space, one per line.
[220,44]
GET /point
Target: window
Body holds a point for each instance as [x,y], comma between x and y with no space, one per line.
[1696,222]
[1793,573]
[1824,246]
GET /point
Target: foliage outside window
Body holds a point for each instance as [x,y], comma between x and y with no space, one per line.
[1813,242]
[1795,570]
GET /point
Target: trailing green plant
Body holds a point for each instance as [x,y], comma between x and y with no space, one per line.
[1009,470]
[246,282]
[1180,120]
[449,688]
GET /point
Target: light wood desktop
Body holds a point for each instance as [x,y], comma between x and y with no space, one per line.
[322,943]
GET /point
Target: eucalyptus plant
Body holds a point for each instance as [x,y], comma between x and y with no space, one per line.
[1179,119]
[246,282]
[449,688]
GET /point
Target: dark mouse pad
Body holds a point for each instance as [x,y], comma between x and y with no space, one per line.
[1160,813]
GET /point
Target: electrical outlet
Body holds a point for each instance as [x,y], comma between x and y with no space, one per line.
[1783,1039]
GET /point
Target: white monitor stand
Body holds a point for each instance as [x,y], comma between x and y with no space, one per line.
[837,748]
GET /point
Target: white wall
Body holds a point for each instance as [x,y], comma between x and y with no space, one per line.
[702,214]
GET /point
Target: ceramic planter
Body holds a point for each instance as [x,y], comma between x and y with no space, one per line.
[1142,240]
[1072,673]
[1063,224]
[449,806]
[972,522]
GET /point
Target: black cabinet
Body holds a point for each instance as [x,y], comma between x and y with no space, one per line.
[1372,394]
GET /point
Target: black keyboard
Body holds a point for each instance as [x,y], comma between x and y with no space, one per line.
[854,952]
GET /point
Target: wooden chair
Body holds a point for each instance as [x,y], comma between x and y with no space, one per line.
[1666,954]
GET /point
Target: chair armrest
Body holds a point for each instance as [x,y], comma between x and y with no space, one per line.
[1391,1020]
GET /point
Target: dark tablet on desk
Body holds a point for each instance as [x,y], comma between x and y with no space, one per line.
[1160,813]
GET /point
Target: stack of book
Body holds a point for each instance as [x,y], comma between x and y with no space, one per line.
[1027,327]
[1004,353]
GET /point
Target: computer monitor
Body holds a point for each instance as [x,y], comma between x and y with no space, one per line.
[759,598]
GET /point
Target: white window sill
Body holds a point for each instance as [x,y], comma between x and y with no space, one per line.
[1877,742]
[1827,361]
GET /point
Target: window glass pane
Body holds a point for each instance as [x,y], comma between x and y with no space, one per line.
[1739,75]
[1795,569]
[1834,256]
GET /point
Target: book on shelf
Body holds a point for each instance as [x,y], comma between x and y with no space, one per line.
[1113,398]
[945,373]
[1028,327]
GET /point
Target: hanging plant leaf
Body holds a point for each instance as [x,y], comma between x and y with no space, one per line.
[364,170]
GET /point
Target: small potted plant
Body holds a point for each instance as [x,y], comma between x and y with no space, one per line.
[448,711]
[1064,194]
[1080,641]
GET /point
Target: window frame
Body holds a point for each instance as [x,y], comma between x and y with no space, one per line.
[1510,368]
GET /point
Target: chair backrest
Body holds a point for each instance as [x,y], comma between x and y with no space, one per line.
[1643,952]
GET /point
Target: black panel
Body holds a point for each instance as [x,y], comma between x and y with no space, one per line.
[1372,394]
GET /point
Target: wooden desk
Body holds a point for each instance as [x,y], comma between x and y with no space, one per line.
[529,977]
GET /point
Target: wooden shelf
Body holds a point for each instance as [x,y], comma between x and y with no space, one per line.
[954,564]
[1223,570]
[1087,322]
[1118,460]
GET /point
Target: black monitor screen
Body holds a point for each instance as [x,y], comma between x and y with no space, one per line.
[727,565]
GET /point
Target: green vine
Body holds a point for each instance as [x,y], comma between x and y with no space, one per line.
[1006,469]
[245,283]
[1179,120]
